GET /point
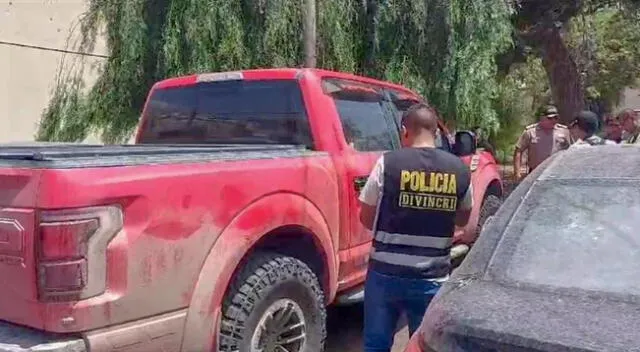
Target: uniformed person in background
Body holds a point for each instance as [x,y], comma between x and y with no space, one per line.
[412,201]
[483,141]
[583,130]
[630,121]
[540,140]
[612,130]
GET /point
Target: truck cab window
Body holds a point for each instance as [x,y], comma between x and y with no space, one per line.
[402,104]
[228,112]
[365,120]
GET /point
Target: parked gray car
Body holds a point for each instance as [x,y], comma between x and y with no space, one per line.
[556,269]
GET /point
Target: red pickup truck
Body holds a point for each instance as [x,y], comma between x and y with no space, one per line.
[229,225]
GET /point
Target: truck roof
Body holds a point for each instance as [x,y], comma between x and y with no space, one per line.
[273,74]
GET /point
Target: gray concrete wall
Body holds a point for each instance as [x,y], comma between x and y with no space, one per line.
[30,33]
[630,99]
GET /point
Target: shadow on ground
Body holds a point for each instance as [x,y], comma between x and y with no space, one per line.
[344,327]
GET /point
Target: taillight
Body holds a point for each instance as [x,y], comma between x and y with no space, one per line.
[415,344]
[418,344]
[72,251]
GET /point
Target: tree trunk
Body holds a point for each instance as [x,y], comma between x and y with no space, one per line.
[562,70]
[309,20]
[371,45]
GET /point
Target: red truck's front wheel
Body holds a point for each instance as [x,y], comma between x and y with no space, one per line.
[275,304]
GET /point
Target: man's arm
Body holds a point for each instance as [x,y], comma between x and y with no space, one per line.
[522,144]
[464,208]
[517,164]
[370,194]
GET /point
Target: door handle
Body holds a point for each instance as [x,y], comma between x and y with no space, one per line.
[359,182]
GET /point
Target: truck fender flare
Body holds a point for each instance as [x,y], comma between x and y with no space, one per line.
[226,254]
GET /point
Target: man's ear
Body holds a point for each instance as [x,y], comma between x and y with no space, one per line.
[403,131]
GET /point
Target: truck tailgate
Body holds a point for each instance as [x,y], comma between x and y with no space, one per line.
[18,292]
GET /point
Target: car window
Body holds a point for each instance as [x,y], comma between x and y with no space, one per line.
[442,141]
[574,236]
[403,104]
[228,112]
[366,120]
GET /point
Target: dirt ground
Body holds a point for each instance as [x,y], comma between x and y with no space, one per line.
[345,331]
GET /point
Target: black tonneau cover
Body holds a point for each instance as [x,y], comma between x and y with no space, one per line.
[63,155]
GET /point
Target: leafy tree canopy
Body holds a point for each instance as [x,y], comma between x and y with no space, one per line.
[607,45]
[444,49]
[547,28]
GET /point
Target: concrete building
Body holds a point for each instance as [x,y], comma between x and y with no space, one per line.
[34,35]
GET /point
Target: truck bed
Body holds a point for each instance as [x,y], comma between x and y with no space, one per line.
[69,156]
[175,201]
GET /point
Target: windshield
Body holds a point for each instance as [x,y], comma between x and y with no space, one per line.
[584,236]
[228,112]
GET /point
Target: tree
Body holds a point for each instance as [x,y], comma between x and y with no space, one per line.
[541,25]
[444,49]
[310,44]
[608,41]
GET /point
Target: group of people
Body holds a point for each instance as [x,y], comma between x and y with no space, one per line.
[546,137]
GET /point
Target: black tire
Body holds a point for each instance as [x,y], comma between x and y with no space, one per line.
[271,280]
[490,206]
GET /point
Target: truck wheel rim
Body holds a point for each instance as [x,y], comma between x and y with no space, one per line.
[282,328]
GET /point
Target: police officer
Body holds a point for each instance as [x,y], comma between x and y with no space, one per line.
[630,121]
[540,140]
[612,129]
[412,200]
[483,141]
[583,130]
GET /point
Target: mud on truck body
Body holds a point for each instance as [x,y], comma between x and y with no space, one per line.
[229,225]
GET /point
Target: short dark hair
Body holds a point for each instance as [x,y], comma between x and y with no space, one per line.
[586,121]
[420,116]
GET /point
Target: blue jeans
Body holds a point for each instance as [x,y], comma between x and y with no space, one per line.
[385,299]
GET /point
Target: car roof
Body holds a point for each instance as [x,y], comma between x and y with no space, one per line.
[285,73]
[597,162]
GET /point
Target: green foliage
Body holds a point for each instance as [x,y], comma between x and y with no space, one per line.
[616,63]
[444,49]
[520,94]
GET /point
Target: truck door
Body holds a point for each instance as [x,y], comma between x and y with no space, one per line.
[368,122]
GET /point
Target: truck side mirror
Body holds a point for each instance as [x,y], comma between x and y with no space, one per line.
[465,143]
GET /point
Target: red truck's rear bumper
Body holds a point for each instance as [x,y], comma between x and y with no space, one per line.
[14,338]
[158,333]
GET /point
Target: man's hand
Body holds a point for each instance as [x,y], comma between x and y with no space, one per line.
[517,176]
[465,206]
[517,160]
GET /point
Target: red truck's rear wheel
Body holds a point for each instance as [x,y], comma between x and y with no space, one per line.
[275,302]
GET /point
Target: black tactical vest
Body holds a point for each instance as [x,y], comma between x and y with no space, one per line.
[416,218]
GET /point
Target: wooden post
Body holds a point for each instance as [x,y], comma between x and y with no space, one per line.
[309,27]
